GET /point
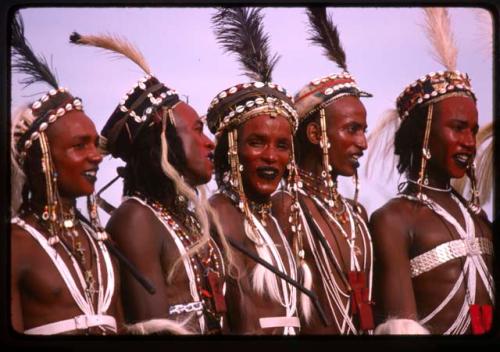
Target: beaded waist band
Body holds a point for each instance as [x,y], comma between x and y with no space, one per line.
[448,251]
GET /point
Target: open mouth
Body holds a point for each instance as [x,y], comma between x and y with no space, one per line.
[210,157]
[462,160]
[355,159]
[91,175]
[267,173]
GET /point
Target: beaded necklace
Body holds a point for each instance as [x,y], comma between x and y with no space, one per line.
[208,267]
[359,296]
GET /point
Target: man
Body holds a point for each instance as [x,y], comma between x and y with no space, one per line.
[336,243]
[63,280]
[163,224]
[254,124]
[433,248]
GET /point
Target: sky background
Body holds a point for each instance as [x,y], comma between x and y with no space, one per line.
[386,50]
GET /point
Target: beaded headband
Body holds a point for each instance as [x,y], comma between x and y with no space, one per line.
[321,92]
[134,112]
[234,106]
[433,87]
[29,131]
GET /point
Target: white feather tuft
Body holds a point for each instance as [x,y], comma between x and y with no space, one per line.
[381,144]
[438,28]
[305,301]
[401,327]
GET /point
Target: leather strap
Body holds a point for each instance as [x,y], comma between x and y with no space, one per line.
[80,322]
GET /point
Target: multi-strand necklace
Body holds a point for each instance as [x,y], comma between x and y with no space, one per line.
[358,295]
[260,215]
[207,265]
[72,244]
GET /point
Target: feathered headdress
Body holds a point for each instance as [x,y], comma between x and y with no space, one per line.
[326,35]
[321,92]
[239,30]
[137,110]
[26,61]
[138,106]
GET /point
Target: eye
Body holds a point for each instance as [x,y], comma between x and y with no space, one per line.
[255,143]
[80,145]
[284,145]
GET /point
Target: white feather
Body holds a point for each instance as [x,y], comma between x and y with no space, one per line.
[401,327]
[305,301]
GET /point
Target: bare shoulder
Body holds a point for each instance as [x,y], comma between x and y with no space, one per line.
[359,208]
[131,217]
[393,222]
[222,204]
[230,217]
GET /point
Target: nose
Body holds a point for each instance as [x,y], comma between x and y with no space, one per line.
[208,143]
[361,141]
[270,155]
[95,155]
[469,140]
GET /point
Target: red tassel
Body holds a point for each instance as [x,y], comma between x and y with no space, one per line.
[487,316]
[360,304]
[476,319]
[215,286]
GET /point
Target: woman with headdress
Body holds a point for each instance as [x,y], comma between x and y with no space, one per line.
[329,142]
[253,123]
[163,223]
[63,280]
[433,248]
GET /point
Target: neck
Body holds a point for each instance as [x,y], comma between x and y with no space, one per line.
[37,204]
[437,181]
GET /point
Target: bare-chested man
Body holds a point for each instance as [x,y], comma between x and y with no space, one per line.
[337,246]
[433,248]
[162,225]
[63,280]
[254,124]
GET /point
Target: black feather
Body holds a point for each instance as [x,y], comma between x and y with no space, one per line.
[239,30]
[326,35]
[25,61]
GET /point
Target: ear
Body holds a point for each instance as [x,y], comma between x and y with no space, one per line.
[313,132]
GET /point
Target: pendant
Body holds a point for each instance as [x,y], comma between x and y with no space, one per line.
[481,318]
[68,223]
[216,288]
[360,305]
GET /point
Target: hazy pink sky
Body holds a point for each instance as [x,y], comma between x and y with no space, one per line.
[385,47]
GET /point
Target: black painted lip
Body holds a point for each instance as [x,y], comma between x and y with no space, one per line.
[267,172]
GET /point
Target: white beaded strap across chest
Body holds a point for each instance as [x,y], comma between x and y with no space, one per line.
[92,316]
[469,247]
[447,251]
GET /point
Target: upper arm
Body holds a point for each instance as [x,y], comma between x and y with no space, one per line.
[393,289]
[15,278]
[134,228]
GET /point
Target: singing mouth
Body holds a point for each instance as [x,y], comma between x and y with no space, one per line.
[267,173]
[462,160]
[210,156]
[355,159]
[91,175]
